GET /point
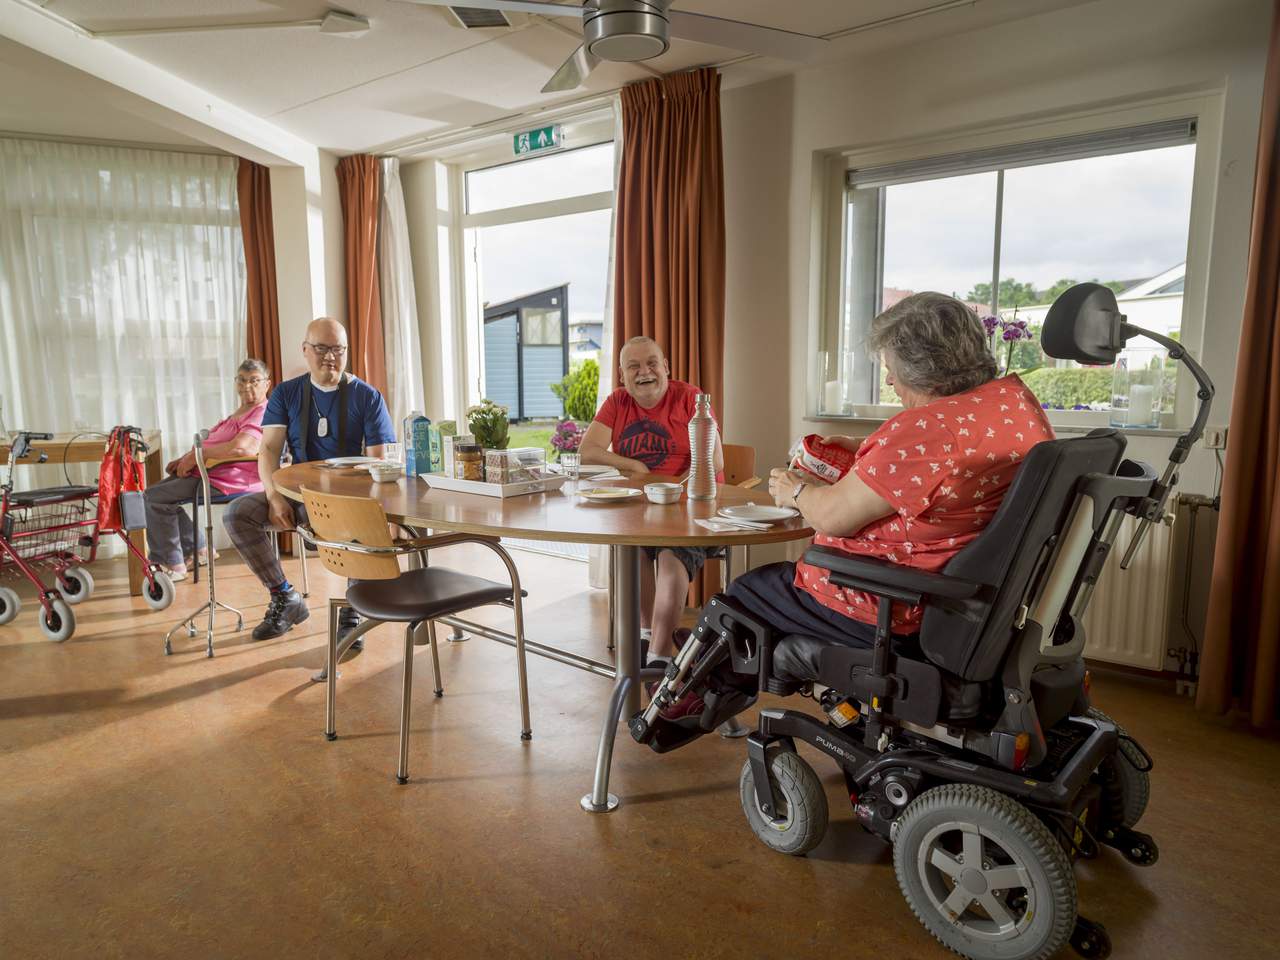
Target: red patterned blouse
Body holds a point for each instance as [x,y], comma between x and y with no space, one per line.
[944,467]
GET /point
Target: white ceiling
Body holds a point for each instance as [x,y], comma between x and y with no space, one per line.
[416,73]
[40,95]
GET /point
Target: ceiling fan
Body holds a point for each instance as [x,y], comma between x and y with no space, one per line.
[629,30]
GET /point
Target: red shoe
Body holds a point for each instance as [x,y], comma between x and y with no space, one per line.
[690,705]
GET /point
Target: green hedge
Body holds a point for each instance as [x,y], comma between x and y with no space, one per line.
[577,391]
[1067,387]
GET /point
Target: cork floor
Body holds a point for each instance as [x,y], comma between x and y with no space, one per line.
[185,807]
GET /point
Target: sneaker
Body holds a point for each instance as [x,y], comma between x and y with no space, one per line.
[690,705]
[348,620]
[202,558]
[176,574]
[283,612]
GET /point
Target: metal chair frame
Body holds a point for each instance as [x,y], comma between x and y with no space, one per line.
[415,548]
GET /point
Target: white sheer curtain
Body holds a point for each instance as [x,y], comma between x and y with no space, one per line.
[399,301]
[122,293]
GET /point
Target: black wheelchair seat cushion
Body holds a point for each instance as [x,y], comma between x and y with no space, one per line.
[39,498]
[928,694]
[424,595]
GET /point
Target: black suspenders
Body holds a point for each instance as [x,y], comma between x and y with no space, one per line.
[305,413]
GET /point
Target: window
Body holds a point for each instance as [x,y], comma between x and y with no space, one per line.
[537,296]
[1007,230]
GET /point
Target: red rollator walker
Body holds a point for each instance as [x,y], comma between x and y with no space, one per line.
[57,528]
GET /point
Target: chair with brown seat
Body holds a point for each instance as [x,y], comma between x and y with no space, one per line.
[352,536]
[740,466]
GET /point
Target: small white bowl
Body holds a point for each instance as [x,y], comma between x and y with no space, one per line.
[663,492]
[386,472]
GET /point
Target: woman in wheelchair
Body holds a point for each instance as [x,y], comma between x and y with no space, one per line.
[921,488]
[937,621]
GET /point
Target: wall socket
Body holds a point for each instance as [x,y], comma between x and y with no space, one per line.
[1215,438]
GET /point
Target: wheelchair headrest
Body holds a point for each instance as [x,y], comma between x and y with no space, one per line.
[1084,324]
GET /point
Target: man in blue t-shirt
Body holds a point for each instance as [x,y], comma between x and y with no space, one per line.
[323,413]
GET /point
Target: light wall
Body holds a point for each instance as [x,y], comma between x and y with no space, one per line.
[1095,55]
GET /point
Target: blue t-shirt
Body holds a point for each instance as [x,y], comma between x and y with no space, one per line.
[368,423]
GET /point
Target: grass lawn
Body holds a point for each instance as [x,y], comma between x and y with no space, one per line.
[532,435]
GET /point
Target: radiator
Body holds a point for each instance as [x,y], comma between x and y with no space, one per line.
[1126,621]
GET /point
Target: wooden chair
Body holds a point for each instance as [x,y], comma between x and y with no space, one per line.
[740,466]
[353,540]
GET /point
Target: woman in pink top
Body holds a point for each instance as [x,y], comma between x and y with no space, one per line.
[172,541]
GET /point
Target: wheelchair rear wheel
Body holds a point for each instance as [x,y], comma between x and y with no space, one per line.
[984,875]
[799,802]
[1128,767]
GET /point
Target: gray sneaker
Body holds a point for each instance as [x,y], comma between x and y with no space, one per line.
[283,612]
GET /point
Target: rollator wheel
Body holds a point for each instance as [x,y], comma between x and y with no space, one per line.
[1135,783]
[984,874]
[800,805]
[75,585]
[159,592]
[58,623]
[10,604]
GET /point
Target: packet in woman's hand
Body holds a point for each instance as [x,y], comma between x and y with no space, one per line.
[824,462]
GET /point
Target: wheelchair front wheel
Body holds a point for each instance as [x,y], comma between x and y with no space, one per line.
[1130,776]
[984,875]
[799,802]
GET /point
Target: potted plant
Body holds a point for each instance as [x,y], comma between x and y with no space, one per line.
[489,424]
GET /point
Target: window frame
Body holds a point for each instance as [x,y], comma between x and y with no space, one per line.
[590,130]
[830,231]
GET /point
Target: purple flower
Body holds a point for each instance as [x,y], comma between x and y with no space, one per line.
[567,436]
[990,324]
[1080,406]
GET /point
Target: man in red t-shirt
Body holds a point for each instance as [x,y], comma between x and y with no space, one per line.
[922,486]
[643,428]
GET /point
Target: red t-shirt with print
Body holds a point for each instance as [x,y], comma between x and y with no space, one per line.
[659,436]
[944,467]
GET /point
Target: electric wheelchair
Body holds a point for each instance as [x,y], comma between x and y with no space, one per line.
[972,747]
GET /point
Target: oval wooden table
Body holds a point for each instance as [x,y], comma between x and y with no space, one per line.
[561,516]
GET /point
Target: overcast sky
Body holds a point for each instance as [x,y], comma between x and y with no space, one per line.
[1110,218]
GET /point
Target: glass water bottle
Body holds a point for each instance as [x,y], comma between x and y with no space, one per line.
[702,450]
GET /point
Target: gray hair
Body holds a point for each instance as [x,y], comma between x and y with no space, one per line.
[256,367]
[938,344]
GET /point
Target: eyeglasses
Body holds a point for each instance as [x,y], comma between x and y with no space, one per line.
[323,350]
[250,383]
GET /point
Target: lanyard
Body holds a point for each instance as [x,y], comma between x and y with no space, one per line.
[305,425]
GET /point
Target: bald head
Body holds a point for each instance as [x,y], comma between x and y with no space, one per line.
[643,369]
[325,350]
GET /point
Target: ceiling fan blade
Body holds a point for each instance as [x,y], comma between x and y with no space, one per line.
[543,7]
[748,37]
[572,72]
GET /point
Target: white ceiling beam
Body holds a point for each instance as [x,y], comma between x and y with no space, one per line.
[160,96]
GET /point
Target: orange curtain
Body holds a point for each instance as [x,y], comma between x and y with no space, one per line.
[1240,668]
[253,189]
[359,184]
[669,279]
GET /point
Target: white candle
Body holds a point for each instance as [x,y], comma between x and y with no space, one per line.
[1140,398]
[831,401]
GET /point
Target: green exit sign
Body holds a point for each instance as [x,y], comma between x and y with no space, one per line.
[536,141]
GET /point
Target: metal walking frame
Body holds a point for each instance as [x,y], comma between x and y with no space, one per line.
[211,606]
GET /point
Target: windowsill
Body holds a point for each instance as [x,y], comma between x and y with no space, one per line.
[873,422]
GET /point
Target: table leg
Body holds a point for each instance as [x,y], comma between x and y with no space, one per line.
[625,699]
[154,471]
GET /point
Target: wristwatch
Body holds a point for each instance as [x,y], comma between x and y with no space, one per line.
[795,495]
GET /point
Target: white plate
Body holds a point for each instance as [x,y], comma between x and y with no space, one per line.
[595,469]
[758,512]
[351,461]
[610,494]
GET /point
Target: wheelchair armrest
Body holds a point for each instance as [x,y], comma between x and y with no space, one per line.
[885,579]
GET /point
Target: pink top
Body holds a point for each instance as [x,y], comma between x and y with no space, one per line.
[237,477]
